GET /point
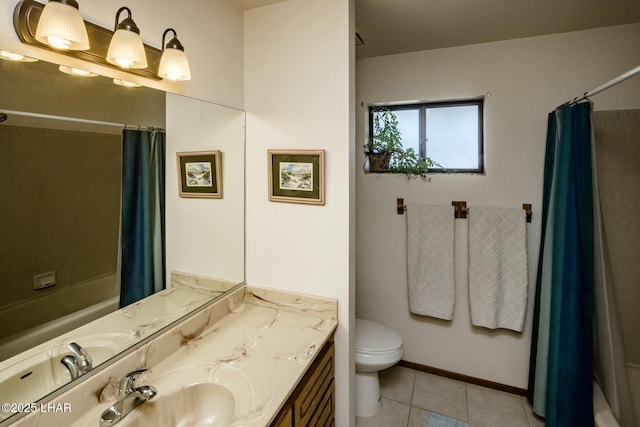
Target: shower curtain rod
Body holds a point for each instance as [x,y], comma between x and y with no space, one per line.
[603,87]
[9,113]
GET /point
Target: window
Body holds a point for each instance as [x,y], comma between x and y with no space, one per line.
[450,133]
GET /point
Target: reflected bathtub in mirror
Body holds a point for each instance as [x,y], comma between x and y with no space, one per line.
[35,373]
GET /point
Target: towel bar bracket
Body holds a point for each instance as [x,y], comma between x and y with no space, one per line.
[527,209]
[401,208]
[461,209]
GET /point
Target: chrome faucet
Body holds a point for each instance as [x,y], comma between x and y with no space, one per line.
[129,398]
[77,363]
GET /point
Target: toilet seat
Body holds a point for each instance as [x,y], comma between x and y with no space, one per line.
[375,339]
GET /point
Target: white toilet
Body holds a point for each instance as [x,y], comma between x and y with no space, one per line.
[377,348]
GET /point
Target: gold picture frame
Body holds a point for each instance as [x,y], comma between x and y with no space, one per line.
[200,174]
[296,176]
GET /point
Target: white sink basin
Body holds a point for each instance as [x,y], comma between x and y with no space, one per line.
[196,405]
[36,373]
[196,396]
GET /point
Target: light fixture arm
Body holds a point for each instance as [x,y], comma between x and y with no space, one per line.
[127,24]
[174,43]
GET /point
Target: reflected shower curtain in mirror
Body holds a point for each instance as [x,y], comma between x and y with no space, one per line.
[561,368]
[142,229]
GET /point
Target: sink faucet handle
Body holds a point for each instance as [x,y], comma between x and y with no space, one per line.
[83,359]
[126,385]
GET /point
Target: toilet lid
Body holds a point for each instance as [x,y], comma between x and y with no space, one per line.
[371,336]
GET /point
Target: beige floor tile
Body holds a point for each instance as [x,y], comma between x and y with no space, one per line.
[441,395]
[490,408]
[396,383]
[418,417]
[392,414]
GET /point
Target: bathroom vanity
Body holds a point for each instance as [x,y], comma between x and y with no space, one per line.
[255,357]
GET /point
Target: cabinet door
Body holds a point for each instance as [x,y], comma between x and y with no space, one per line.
[314,404]
[285,418]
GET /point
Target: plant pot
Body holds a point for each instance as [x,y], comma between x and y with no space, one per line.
[378,162]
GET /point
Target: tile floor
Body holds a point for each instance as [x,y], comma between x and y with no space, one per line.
[409,396]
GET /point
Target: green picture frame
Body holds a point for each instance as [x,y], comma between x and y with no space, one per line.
[296,176]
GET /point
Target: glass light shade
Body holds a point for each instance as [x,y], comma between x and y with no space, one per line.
[126,50]
[174,65]
[61,26]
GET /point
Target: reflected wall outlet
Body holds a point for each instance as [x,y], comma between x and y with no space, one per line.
[44,280]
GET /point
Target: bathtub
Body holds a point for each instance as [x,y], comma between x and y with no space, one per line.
[29,338]
[603,415]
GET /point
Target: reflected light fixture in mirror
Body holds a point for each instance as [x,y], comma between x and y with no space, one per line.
[76,71]
[126,49]
[125,83]
[10,56]
[61,26]
[174,64]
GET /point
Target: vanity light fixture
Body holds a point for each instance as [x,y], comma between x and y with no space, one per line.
[126,49]
[76,71]
[10,56]
[106,45]
[61,26]
[174,64]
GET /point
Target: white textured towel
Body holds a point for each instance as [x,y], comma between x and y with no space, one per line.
[430,260]
[498,267]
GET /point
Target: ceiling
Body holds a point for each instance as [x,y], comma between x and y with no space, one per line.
[250,4]
[397,26]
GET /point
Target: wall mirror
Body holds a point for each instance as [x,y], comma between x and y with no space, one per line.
[60,184]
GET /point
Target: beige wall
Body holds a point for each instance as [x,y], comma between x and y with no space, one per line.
[298,96]
[617,141]
[522,80]
[50,222]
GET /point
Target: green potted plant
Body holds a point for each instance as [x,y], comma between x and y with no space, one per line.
[385,141]
[385,152]
[412,164]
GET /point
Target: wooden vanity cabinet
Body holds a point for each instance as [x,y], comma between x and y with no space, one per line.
[312,404]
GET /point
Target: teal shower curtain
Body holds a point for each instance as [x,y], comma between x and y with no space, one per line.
[561,366]
[142,235]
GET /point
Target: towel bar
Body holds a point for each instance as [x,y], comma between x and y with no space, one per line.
[461,209]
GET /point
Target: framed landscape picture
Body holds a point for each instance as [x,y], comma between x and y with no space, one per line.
[296,176]
[200,174]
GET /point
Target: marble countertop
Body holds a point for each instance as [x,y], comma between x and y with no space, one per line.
[256,342]
[104,337]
